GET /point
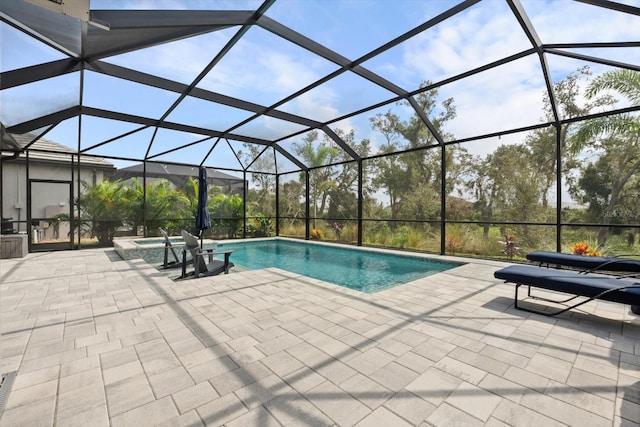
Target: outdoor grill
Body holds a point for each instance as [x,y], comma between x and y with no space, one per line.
[7,226]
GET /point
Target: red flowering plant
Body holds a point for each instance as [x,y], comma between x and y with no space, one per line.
[510,248]
[582,248]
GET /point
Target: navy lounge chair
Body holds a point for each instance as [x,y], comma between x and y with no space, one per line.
[202,266]
[591,286]
[587,264]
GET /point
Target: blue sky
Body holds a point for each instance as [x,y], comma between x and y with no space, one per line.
[263,68]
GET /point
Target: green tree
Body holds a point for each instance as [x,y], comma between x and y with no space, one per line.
[261,165]
[227,211]
[542,143]
[319,156]
[163,203]
[101,209]
[412,178]
[616,139]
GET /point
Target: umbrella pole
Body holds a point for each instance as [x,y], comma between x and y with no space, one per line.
[201,233]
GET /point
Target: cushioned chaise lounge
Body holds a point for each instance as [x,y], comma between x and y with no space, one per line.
[586,263]
[591,286]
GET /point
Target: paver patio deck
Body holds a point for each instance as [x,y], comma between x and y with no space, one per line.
[96,341]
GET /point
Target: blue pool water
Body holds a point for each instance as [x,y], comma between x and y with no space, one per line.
[360,270]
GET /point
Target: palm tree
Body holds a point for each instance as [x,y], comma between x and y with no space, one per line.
[617,136]
[101,210]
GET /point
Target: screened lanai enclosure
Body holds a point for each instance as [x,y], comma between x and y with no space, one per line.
[484,128]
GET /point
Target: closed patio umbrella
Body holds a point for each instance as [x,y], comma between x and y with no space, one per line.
[203,221]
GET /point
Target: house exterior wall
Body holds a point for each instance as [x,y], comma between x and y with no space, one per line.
[48,199]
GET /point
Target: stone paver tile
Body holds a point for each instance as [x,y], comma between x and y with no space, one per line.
[502,387]
[95,417]
[411,337]
[152,349]
[122,372]
[185,346]
[103,347]
[169,382]
[192,397]
[118,357]
[221,410]
[382,417]
[36,377]
[550,367]
[246,356]
[474,400]
[304,379]
[86,403]
[468,343]
[52,360]
[282,363]
[32,394]
[494,422]
[415,362]
[370,361]
[627,411]
[256,417]
[461,370]
[434,385]
[561,411]
[160,364]
[601,367]
[190,419]
[357,341]
[293,409]
[128,394]
[262,391]
[79,365]
[48,348]
[563,348]
[238,378]
[505,356]
[527,379]
[141,337]
[410,407]
[37,414]
[208,370]
[204,355]
[242,342]
[582,399]
[434,349]
[337,404]
[150,414]
[480,361]
[394,376]
[516,415]
[91,340]
[448,416]
[366,391]
[394,347]
[279,343]
[593,383]
[80,380]
[335,371]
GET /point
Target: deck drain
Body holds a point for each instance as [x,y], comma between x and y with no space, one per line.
[5,388]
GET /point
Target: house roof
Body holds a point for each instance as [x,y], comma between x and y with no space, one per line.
[179,174]
[44,150]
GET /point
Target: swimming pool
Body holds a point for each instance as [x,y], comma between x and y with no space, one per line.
[150,249]
[357,269]
[158,241]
